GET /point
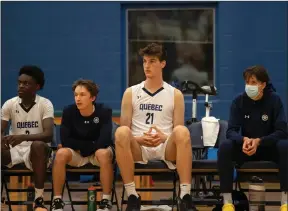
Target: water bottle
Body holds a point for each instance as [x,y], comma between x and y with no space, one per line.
[92,198]
[256,194]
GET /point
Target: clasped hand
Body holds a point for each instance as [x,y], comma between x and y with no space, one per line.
[12,140]
[250,146]
[150,139]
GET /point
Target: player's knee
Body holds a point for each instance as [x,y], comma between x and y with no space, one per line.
[182,135]
[62,155]
[122,136]
[103,155]
[39,148]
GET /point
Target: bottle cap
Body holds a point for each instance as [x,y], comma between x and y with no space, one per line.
[92,188]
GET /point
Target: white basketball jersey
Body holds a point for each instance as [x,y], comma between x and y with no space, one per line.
[152,109]
[27,121]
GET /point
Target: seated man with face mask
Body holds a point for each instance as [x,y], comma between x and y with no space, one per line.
[259,114]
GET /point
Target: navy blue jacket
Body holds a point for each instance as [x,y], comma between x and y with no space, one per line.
[264,119]
[86,134]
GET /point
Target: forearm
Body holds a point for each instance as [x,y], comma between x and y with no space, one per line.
[138,139]
[45,137]
[272,138]
[235,136]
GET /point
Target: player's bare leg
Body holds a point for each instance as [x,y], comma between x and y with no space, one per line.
[39,156]
[127,152]
[62,158]
[179,148]
[104,157]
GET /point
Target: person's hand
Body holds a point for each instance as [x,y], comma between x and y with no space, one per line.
[158,136]
[252,148]
[12,140]
[246,144]
[146,139]
[4,145]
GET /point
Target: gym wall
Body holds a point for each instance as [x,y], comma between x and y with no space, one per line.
[53,35]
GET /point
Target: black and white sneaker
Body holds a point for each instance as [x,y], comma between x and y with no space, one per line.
[186,203]
[39,204]
[57,205]
[134,203]
[105,205]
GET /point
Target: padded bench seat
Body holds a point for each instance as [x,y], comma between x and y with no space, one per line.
[152,167]
[88,168]
[19,169]
[204,166]
[258,166]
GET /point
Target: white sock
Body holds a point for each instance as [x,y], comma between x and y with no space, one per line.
[185,189]
[107,196]
[284,198]
[38,193]
[130,189]
[227,198]
[57,197]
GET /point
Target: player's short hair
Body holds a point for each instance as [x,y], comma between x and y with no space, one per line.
[154,49]
[258,71]
[92,87]
[35,72]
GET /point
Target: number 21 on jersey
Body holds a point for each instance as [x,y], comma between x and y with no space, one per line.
[150,118]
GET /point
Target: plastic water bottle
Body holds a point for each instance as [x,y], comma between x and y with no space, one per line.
[91,198]
[256,194]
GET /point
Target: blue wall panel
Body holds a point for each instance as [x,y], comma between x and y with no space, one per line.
[70,40]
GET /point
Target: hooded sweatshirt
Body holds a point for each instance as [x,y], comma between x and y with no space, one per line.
[264,118]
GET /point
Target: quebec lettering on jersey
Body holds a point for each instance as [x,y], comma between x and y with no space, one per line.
[31,124]
[150,107]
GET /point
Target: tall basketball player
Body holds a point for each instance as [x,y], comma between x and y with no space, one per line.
[152,128]
[32,121]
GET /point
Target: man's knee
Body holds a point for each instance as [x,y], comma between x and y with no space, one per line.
[122,136]
[282,147]
[181,135]
[103,156]
[225,145]
[39,148]
[63,155]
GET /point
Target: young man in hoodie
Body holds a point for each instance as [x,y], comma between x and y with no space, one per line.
[259,114]
[86,130]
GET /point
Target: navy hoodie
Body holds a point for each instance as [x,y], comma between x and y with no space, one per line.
[86,134]
[264,118]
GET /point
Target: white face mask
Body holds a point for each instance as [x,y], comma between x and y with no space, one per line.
[252,90]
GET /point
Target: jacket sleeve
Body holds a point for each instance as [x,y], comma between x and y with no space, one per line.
[280,125]
[105,136]
[235,122]
[65,131]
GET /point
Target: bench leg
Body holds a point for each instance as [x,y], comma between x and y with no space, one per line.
[174,190]
[69,194]
[114,193]
[122,197]
[52,195]
[2,187]
[7,192]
